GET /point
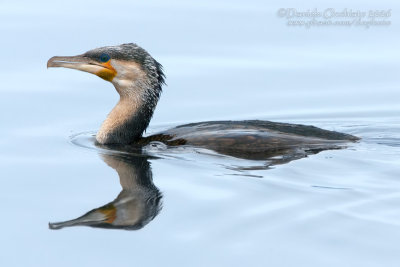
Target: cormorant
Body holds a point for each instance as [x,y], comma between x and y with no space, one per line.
[138,78]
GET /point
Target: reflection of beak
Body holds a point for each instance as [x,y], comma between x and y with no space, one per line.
[103,70]
[103,215]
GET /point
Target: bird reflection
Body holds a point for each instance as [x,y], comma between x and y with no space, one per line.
[137,204]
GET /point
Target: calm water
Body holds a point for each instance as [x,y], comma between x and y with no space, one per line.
[223,60]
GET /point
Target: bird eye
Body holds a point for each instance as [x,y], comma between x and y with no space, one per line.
[104,57]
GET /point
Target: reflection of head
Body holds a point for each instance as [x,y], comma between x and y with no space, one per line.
[137,204]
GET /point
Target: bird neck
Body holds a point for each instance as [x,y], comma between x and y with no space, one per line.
[130,117]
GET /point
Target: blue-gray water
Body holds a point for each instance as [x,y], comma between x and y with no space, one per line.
[223,60]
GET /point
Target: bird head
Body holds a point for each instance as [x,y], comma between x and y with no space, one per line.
[122,65]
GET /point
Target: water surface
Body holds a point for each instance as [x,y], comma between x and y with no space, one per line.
[223,60]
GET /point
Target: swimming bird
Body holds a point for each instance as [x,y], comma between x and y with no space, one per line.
[139,78]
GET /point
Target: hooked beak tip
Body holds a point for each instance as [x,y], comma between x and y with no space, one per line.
[49,62]
[52,62]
